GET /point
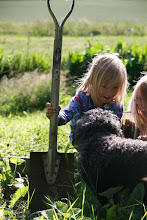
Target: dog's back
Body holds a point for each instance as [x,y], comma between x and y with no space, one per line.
[106,158]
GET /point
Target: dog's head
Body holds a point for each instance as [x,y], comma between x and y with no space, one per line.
[97,121]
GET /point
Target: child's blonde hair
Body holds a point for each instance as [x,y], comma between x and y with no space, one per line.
[140,87]
[106,69]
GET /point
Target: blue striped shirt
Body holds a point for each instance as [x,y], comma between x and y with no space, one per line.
[81,103]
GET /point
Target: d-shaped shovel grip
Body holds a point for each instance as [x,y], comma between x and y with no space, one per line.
[52,151]
[57,26]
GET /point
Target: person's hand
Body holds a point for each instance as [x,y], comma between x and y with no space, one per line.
[143,137]
[50,110]
[127,123]
[128,127]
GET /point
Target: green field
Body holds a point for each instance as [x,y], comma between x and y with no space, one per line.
[44,45]
[22,134]
[24,127]
[92,10]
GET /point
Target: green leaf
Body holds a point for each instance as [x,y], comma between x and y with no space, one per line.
[111,214]
[137,194]
[72,213]
[16,160]
[135,202]
[106,206]
[41,217]
[21,192]
[86,218]
[111,192]
[61,206]
[1,212]
[48,214]
[65,210]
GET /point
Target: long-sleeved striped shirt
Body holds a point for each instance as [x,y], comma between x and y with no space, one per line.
[81,103]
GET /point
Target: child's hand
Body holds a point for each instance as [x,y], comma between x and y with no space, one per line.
[50,110]
[127,123]
[128,128]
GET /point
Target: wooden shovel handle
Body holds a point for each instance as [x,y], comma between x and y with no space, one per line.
[56,67]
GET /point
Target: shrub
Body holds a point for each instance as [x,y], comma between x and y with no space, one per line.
[133,57]
[77,63]
[14,64]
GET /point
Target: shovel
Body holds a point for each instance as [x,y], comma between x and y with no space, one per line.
[52,173]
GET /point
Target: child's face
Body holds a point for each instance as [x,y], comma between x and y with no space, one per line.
[107,94]
[140,104]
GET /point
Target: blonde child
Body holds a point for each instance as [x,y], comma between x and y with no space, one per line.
[104,86]
[136,125]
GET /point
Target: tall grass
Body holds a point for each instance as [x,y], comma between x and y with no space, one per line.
[81,28]
[19,135]
[24,93]
[24,126]
[12,44]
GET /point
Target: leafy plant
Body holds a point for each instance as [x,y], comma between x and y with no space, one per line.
[15,64]
[134,57]
[65,211]
[13,188]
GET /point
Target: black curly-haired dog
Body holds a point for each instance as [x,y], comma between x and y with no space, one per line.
[106,158]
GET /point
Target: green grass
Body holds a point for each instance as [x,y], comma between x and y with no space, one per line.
[127,99]
[84,28]
[29,131]
[25,129]
[44,45]
[19,135]
[22,133]
[110,11]
[27,92]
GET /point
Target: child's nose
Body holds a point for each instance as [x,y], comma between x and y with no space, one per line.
[110,93]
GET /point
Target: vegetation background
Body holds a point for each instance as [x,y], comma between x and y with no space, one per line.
[26,47]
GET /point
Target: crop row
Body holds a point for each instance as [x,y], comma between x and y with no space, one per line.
[134,57]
